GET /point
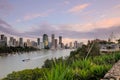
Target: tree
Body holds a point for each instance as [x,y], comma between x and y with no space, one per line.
[118,41]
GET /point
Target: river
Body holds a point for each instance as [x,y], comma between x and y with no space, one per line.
[13,62]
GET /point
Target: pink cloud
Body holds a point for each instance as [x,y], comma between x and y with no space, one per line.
[86,27]
[78,8]
[32,16]
[117,6]
[106,23]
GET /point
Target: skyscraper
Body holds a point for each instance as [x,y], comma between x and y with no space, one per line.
[21,44]
[3,40]
[75,44]
[70,45]
[53,41]
[2,36]
[38,41]
[60,41]
[45,41]
[28,43]
[14,42]
[11,43]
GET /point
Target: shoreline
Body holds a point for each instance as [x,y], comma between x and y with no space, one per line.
[13,50]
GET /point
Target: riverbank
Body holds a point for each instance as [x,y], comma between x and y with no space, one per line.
[70,68]
[13,62]
[12,50]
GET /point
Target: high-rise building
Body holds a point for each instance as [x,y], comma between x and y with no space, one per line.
[41,45]
[11,42]
[55,43]
[21,44]
[38,41]
[3,41]
[17,43]
[60,41]
[14,42]
[45,41]
[75,44]
[34,44]
[70,45]
[66,46]
[25,44]
[28,43]
[2,36]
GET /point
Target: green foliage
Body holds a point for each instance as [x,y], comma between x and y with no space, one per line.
[59,72]
[92,48]
[92,68]
[16,49]
[27,74]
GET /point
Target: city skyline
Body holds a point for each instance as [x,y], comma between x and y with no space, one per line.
[74,20]
[45,43]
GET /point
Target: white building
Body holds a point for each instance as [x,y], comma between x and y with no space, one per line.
[41,45]
[109,47]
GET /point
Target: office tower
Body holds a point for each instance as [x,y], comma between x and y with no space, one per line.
[38,41]
[3,41]
[17,44]
[45,41]
[70,45]
[75,44]
[60,41]
[11,41]
[55,43]
[66,46]
[28,43]
[34,44]
[2,36]
[21,42]
[25,44]
[14,42]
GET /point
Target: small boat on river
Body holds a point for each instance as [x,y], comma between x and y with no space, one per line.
[25,60]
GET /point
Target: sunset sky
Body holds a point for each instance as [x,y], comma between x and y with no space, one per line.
[73,19]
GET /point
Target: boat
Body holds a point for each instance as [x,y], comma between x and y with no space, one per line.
[25,60]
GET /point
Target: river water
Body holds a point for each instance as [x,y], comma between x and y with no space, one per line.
[13,62]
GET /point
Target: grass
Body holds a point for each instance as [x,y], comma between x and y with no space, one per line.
[93,68]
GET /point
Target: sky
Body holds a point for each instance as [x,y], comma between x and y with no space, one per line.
[80,20]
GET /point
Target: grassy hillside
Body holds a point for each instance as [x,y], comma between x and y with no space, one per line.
[92,68]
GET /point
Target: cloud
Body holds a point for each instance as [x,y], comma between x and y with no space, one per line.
[66,2]
[82,32]
[31,16]
[117,6]
[5,7]
[8,29]
[78,8]
[86,27]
